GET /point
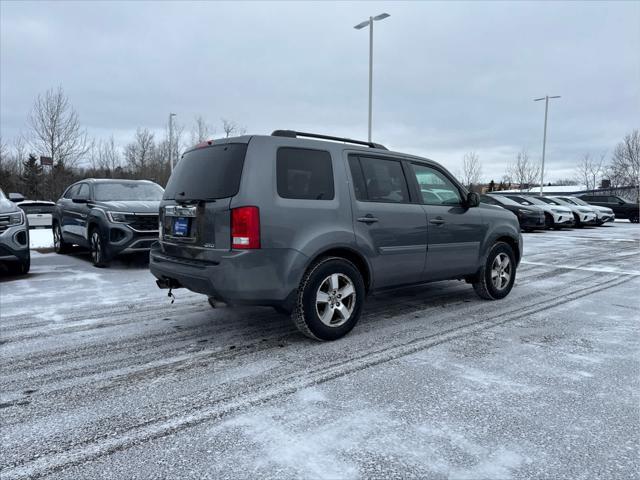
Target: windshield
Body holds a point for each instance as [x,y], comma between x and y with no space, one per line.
[526,200]
[550,201]
[32,208]
[207,173]
[505,200]
[575,201]
[106,192]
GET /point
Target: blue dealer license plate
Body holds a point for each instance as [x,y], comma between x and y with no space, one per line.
[181,227]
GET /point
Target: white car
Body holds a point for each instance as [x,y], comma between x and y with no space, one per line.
[556,216]
[39,212]
[582,215]
[603,214]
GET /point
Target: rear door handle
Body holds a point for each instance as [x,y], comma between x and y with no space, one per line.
[437,221]
[368,219]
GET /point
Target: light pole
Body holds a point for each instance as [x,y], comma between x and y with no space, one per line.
[171,115]
[360,26]
[544,137]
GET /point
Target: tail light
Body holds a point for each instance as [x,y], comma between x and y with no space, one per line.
[245,228]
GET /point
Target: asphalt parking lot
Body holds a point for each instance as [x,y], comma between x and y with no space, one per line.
[102,377]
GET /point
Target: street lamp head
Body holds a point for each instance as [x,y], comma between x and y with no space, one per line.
[382,16]
[360,26]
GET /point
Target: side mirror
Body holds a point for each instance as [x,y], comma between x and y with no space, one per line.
[473,200]
[16,197]
[79,199]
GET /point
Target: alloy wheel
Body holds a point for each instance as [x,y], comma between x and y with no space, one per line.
[501,271]
[335,300]
[96,247]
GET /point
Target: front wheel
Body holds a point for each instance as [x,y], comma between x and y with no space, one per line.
[497,276]
[99,256]
[578,223]
[330,299]
[549,223]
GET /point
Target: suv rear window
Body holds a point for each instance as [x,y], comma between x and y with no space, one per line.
[207,173]
[304,174]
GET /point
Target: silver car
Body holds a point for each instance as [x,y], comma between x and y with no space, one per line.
[603,214]
[582,215]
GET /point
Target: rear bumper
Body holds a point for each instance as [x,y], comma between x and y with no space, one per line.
[251,277]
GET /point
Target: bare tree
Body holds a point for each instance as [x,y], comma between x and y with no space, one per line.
[565,182]
[471,169]
[589,171]
[523,171]
[139,153]
[232,128]
[624,170]
[55,130]
[201,130]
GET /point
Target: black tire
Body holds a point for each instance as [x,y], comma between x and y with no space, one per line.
[577,223]
[484,286]
[634,218]
[98,249]
[59,245]
[22,267]
[306,314]
[557,228]
[548,222]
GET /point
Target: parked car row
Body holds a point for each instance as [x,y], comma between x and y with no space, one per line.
[550,212]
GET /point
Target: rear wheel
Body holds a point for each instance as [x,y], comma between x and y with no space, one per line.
[634,218]
[59,245]
[497,276]
[97,247]
[330,299]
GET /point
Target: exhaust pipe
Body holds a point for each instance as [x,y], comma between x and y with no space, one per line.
[165,283]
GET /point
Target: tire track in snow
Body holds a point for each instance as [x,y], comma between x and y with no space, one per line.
[274,387]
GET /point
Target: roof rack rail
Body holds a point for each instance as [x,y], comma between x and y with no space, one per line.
[294,134]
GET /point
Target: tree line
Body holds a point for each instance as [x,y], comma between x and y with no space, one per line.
[54,131]
[620,170]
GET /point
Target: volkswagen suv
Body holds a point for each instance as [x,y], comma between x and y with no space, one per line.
[311,224]
[109,217]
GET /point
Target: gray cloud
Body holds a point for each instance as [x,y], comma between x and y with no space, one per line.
[449,77]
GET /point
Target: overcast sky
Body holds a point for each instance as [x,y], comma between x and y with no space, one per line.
[448,77]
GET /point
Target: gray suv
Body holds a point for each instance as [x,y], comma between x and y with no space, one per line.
[14,237]
[311,224]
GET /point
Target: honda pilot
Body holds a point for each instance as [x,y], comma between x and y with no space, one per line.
[310,224]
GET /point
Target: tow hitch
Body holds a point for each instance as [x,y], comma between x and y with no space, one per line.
[169,283]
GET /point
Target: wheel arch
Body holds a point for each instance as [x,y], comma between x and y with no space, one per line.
[348,253]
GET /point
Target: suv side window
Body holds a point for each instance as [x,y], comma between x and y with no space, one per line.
[435,187]
[84,191]
[304,174]
[71,191]
[378,180]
